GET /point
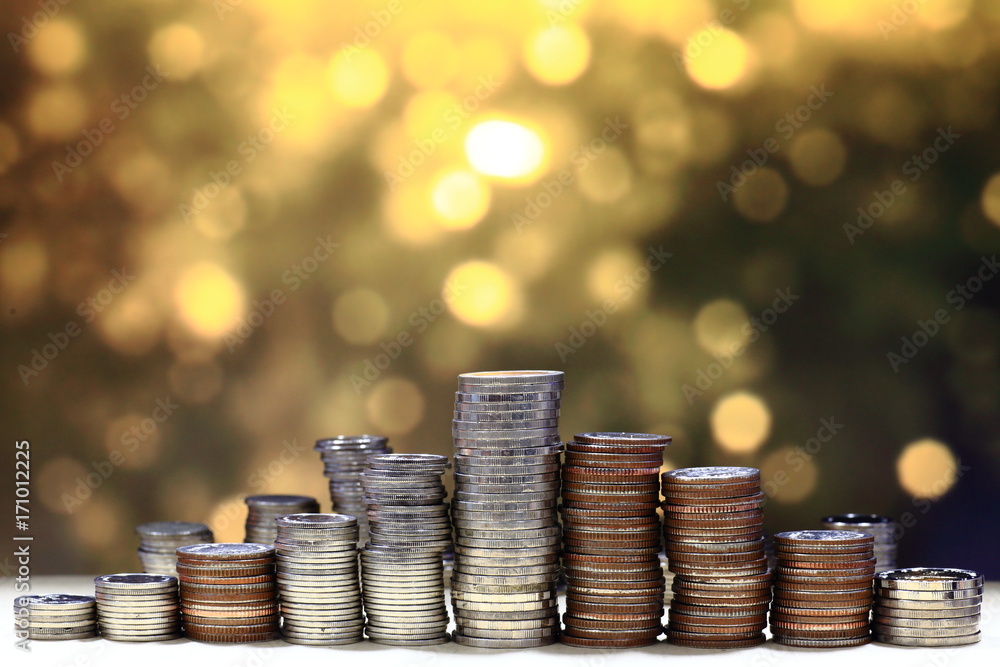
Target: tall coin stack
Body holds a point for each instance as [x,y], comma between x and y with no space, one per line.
[507,542]
[138,607]
[228,592]
[344,459]
[317,573]
[611,539]
[402,571]
[263,510]
[712,527]
[822,588]
[882,528]
[927,606]
[158,542]
[56,616]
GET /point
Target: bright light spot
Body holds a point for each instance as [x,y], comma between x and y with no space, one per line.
[481,294]
[58,48]
[430,60]
[607,273]
[763,197]
[360,80]
[817,156]
[741,422]
[504,149]
[360,316]
[57,112]
[131,323]
[719,325]
[786,483]
[926,468]
[208,300]
[395,406]
[716,58]
[178,50]
[461,199]
[558,55]
[991,199]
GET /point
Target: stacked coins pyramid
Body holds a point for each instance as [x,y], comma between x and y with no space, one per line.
[611,539]
[344,459]
[263,510]
[507,542]
[882,528]
[927,606]
[402,572]
[228,592]
[55,616]
[158,542]
[138,607]
[822,588]
[317,574]
[712,523]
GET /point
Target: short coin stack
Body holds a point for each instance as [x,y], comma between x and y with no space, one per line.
[263,510]
[55,616]
[712,528]
[138,607]
[317,573]
[228,592]
[401,566]
[927,606]
[882,528]
[158,542]
[344,458]
[822,588]
[507,542]
[611,539]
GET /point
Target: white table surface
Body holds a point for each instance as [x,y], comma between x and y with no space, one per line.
[182,652]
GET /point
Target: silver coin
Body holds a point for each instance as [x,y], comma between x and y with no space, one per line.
[55,601]
[929,579]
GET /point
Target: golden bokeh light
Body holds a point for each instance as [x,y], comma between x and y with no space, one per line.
[991,199]
[358,79]
[716,58]
[926,468]
[57,112]
[741,422]
[178,51]
[605,275]
[430,60]
[460,198]
[133,321]
[395,406]
[817,156]
[59,48]
[763,197]
[788,475]
[719,325]
[360,316]
[943,14]
[483,295]
[505,149]
[558,54]
[409,214]
[208,300]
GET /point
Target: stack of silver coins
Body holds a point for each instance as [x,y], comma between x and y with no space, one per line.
[138,607]
[927,606]
[885,531]
[56,616]
[402,571]
[344,459]
[263,510]
[507,542]
[317,572]
[158,542]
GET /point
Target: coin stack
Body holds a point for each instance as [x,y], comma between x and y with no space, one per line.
[158,542]
[228,592]
[507,542]
[317,574]
[138,607]
[55,616]
[402,571]
[263,510]
[611,539]
[712,523]
[882,528]
[927,606]
[344,459]
[822,588]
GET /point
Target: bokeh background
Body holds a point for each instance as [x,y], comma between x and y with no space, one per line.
[218,214]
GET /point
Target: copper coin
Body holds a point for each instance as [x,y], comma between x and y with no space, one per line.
[758,618]
[227,581]
[823,643]
[251,571]
[677,640]
[233,639]
[788,608]
[674,492]
[790,566]
[589,558]
[698,510]
[682,634]
[605,643]
[616,634]
[715,611]
[612,607]
[708,503]
[739,557]
[722,603]
[819,631]
[624,599]
[682,585]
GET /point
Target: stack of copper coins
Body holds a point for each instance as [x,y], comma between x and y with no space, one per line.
[611,539]
[822,588]
[137,607]
[712,523]
[928,606]
[263,510]
[158,542]
[228,592]
[885,531]
[344,459]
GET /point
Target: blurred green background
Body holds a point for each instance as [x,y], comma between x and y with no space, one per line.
[764,228]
